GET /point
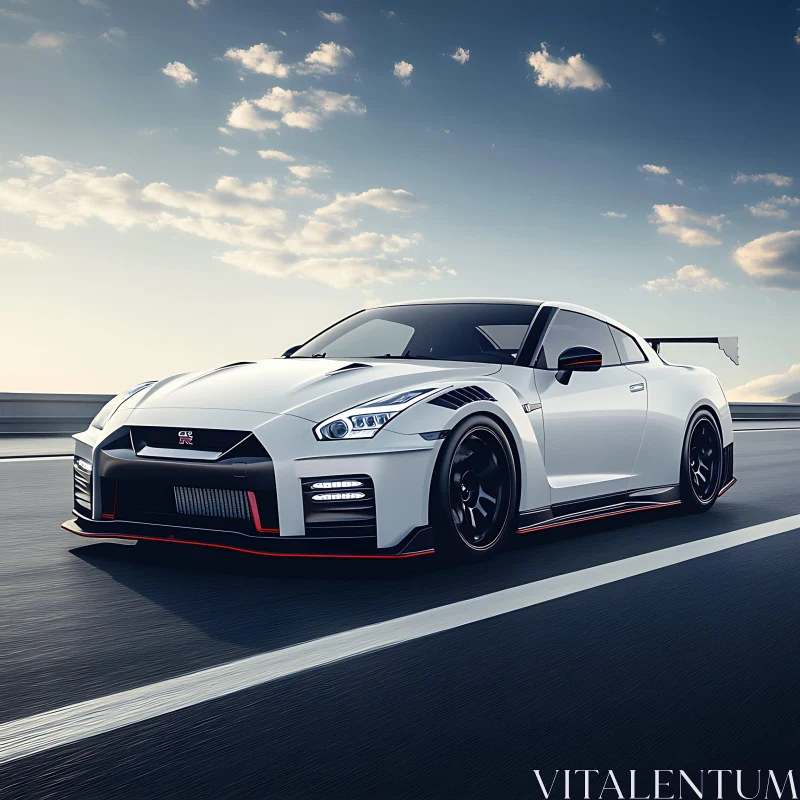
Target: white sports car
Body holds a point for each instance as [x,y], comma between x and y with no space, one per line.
[442,425]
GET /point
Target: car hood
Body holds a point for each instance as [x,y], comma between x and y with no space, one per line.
[312,388]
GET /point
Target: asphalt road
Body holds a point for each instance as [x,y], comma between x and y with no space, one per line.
[693,666]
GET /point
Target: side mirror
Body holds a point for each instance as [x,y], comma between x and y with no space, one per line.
[291,350]
[577,359]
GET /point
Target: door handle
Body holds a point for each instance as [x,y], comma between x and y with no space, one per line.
[637,387]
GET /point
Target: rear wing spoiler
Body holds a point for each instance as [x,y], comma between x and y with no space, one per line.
[728,344]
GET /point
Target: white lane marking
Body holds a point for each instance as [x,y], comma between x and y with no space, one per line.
[41,732]
[4,459]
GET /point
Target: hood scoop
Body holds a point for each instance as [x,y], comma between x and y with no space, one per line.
[205,374]
[349,367]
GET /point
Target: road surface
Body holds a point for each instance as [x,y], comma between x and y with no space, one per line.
[692,664]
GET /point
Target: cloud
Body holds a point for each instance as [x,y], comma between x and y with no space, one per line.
[258,238]
[659,37]
[653,168]
[260,59]
[679,181]
[769,388]
[275,155]
[262,191]
[772,260]
[301,190]
[396,200]
[209,206]
[337,272]
[114,35]
[768,177]
[771,207]
[16,15]
[689,277]
[303,109]
[229,151]
[574,73]
[40,165]
[197,4]
[333,16]
[403,70]
[180,73]
[244,115]
[615,214]
[327,59]
[9,248]
[681,223]
[797,36]
[48,41]
[306,171]
[98,4]
[461,55]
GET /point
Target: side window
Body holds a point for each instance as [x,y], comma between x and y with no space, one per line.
[570,329]
[629,350]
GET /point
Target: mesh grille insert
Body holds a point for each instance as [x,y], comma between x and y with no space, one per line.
[220,503]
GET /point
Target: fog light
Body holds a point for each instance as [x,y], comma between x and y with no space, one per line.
[337,485]
[338,496]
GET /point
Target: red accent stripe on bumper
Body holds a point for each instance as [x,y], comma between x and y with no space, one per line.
[243,550]
[251,499]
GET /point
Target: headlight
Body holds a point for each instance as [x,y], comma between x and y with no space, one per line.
[364,421]
[107,411]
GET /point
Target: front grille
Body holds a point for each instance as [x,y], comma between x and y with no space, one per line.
[346,515]
[159,503]
[186,438]
[456,398]
[220,503]
[82,482]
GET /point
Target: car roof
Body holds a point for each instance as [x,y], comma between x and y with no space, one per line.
[517,301]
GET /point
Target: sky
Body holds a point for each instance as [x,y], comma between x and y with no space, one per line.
[188,184]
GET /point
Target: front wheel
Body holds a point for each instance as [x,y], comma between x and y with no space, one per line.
[701,463]
[474,493]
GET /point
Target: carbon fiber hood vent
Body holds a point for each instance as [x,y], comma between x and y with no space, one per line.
[456,398]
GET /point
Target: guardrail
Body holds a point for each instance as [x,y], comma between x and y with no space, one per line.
[24,413]
[765,411]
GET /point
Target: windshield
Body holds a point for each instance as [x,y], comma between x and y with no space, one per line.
[484,332]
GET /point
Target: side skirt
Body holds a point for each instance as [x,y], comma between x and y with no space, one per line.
[610,505]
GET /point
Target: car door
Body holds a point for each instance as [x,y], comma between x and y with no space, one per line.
[593,425]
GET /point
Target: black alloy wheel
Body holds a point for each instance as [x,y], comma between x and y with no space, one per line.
[474,496]
[701,469]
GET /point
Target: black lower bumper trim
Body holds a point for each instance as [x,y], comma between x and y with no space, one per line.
[418,543]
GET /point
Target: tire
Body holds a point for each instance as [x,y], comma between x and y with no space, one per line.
[474,492]
[701,464]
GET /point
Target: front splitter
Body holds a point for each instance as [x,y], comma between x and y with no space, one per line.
[417,543]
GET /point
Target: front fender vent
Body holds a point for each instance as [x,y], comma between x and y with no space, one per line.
[456,398]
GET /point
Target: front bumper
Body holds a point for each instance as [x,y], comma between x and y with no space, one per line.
[133,493]
[417,543]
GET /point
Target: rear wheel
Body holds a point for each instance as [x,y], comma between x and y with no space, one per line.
[701,463]
[474,493]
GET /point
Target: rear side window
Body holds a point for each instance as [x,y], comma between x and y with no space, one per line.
[629,350]
[570,329]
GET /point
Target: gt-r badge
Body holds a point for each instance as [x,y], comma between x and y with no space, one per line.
[184,437]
